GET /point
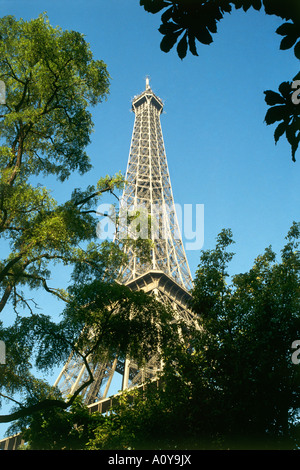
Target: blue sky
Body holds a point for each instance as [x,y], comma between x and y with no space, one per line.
[220,152]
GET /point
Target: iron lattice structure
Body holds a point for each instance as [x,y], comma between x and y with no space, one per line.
[167,274]
[149,190]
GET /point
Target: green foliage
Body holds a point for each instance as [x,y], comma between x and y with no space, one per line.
[249,327]
[52,81]
[186,21]
[234,386]
[100,319]
[230,385]
[58,429]
[122,322]
[142,419]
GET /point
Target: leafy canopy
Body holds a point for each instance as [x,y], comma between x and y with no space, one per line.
[233,385]
[51,81]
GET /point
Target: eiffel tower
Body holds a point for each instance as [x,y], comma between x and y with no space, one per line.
[167,274]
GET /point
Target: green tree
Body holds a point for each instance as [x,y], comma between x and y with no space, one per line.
[101,320]
[58,429]
[52,81]
[249,327]
[235,385]
[186,21]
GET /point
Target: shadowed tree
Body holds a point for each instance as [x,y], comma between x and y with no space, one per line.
[236,385]
[231,385]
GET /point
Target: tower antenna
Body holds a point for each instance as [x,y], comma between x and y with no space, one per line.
[147,83]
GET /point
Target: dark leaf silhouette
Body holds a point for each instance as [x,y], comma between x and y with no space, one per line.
[293,137]
[279,131]
[285,89]
[286,29]
[288,42]
[168,41]
[246,4]
[286,111]
[154,6]
[182,47]
[276,113]
[204,36]
[291,33]
[273,98]
[192,44]
[297,50]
